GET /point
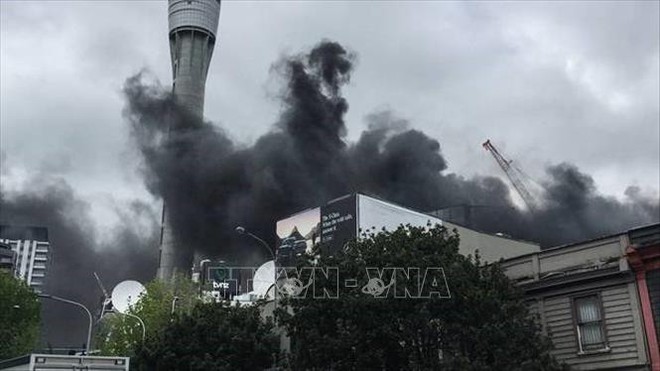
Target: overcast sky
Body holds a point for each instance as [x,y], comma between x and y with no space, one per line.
[547,82]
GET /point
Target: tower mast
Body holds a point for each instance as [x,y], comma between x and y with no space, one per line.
[193,25]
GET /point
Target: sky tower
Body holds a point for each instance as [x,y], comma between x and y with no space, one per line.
[193,25]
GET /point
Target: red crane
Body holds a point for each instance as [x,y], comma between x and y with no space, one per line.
[513,174]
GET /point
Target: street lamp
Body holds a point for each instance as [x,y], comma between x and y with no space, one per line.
[174,300]
[202,270]
[243,231]
[89,314]
[144,328]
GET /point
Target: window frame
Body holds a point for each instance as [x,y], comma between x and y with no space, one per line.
[576,324]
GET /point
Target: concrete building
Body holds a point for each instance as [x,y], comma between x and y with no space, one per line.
[32,249]
[193,25]
[350,216]
[586,299]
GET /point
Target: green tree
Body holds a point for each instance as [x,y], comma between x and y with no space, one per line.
[484,325]
[19,317]
[120,334]
[214,336]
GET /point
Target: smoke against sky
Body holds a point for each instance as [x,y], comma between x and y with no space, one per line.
[211,184]
[523,74]
[78,249]
[549,82]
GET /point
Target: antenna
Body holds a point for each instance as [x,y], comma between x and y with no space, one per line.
[126,294]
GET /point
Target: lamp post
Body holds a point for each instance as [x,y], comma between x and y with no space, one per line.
[243,231]
[202,271]
[144,328]
[174,300]
[89,314]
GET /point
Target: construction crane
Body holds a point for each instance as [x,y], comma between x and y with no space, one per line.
[513,174]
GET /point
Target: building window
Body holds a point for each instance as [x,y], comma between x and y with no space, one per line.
[589,323]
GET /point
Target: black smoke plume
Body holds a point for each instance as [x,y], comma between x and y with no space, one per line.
[212,184]
[77,251]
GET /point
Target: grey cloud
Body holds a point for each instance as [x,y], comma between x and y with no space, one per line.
[465,69]
[459,72]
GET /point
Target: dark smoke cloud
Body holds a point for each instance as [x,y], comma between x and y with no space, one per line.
[574,210]
[78,251]
[212,184]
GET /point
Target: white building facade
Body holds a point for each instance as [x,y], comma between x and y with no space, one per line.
[32,256]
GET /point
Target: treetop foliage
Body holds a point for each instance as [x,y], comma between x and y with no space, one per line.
[19,317]
[214,336]
[483,325]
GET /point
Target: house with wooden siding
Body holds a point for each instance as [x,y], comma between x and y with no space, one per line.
[586,299]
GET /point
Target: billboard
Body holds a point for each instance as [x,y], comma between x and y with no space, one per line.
[297,234]
[339,221]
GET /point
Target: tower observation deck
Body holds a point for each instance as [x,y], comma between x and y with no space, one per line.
[193,25]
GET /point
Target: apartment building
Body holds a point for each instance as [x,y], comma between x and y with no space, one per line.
[32,249]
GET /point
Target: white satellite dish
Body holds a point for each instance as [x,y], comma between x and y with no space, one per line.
[263,278]
[126,294]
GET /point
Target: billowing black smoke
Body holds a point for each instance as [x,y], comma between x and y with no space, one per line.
[78,251]
[211,184]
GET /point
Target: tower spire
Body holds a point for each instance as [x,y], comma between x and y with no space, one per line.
[193,26]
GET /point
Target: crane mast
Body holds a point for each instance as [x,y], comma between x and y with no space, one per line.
[512,174]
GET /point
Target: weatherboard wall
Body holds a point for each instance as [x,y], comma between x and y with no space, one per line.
[553,278]
[625,344]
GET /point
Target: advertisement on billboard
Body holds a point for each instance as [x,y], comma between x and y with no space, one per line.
[339,221]
[297,234]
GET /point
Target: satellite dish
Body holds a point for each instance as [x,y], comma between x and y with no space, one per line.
[126,294]
[264,278]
